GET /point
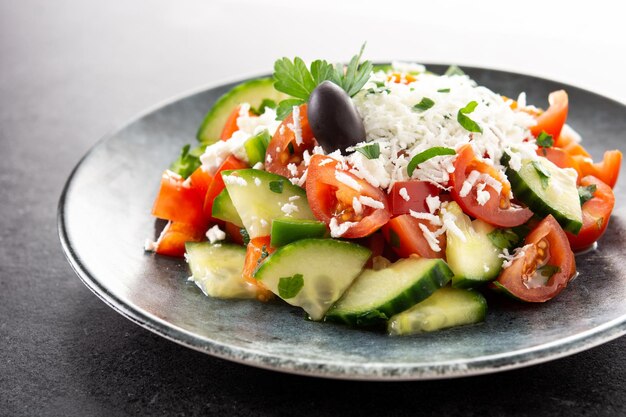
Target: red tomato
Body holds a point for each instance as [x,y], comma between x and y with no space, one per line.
[569,145]
[404,235]
[172,240]
[331,198]
[497,210]
[231,126]
[200,181]
[596,214]
[545,269]
[258,249]
[284,150]
[179,200]
[607,170]
[417,191]
[552,120]
[233,233]
[558,157]
[217,185]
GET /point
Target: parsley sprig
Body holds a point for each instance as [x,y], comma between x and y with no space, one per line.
[295,79]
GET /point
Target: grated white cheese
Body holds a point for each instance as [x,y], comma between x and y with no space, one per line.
[357,206]
[258,165]
[404,194]
[338,230]
[268,159]
[289,208]
[293,169]
[370,202]
[215,234]
[234,180]
[432,219]
[296,126]
[346,179]
[433,203]
[509,258]
[294,198]
[431,238]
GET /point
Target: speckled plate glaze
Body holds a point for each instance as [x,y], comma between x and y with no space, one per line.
[104,218]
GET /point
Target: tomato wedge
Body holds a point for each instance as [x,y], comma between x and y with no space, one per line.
[231,126]
[498,209]
[559,157]
[545,268]
[405,236]
[181,200]
[217,185]
[332,192]
[257,251]
[172,240]
[552,120]
[607,170]
[596,214]
[284,149]
[412,198]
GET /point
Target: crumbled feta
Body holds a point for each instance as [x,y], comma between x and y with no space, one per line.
[433,203]
[404,194]
[346,179]
[293,169]
[215,234]
[289,208]
[257,182]
[434,220]
[338,230]
[268,159]
[431,238]
[234,180]
[509,258]
[370,202]
[263,222]
[296,126]
[294,198]
[258,165]
[357,206]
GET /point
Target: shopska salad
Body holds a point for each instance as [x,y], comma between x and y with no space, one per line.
[383,195]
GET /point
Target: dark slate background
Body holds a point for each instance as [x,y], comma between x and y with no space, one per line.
[69,73]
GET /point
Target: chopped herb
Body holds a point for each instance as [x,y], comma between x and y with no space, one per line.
[548,271]
[245,236]
[371,151]
[377,91]
[289,287]
[426,155]
[544,140]
[264,254]
[285,107]
[586,193]
[424,105]
[277,186]
[504,238]
[465,121]
[291,149]
[266,103]
[379,84]
[453,70]
[188,161]
[355,75]
[394,239]
[443,90]
[544,175]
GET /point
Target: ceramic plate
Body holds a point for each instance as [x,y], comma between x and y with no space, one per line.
[104,218]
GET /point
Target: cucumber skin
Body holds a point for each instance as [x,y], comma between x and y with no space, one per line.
[525,194]
[439,275]
[223,209]
[293,230]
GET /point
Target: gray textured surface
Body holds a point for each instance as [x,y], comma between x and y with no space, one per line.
[67,75]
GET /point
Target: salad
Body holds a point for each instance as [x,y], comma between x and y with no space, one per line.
[383,195]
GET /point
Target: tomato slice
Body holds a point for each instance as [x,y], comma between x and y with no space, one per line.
[498,209]
[559,157]
[607,170]
[412,198]
[332,191]
[172,240]
[546,267]
[596,214]
[231,126]
[284,150]
[257,251]
[569,145]
[552,120]
[406,238]
[217,185]
[181,200]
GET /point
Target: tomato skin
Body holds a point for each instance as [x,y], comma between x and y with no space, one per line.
[233,233]
[279,155]
[254,257]
[217,185]
[607,170]
[331,199]
[552,120]
[417,192]
[172,240]
[512,279]
[410,238]
[596,214]
[490,212]
[558,157]
[179,200]
[231,126]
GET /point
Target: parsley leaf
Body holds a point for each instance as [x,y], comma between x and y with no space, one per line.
[504,238]
[188,161]
[453,70]
[586,193]
[277,186]
[426,155]
[465,121]
[285,107]
[424,105]
[245,236]
[289,287]
[544,140]
[544,175]
[371,151]
[266,103]
[293,78]
[356,74]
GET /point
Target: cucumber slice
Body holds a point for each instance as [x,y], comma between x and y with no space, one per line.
[313,273]
[286,230]
[474,259]
[252,92]
[547,189]
[375,296]
[223,209]
[217,268]
[260,197]
[448,307]
[256,146]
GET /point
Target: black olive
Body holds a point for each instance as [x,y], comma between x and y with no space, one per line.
[335,122]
